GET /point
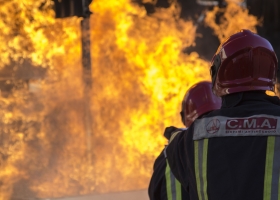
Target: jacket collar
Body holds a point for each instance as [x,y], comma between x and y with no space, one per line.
[235,99]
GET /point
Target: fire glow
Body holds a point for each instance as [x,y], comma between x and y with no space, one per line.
[140,75]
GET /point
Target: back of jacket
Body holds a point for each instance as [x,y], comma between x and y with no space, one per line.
[232,153]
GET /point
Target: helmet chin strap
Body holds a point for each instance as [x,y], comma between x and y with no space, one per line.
[232,100]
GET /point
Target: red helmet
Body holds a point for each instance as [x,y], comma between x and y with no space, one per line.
[244,62]
[197,101]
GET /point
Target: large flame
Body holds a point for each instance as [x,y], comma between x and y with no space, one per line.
[233,18]
[139,78]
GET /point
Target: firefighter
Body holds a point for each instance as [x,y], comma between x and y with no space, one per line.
[197,101]
[234,153]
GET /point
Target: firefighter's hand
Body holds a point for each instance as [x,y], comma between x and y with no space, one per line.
[170,130]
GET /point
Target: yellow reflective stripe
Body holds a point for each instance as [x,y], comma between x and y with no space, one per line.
[173,186]
[268,167]
[201,149]
[173,135]
[204,168]
[196,168]
[178,190]
[168,181]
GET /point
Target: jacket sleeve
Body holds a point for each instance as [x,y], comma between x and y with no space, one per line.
[158,178]
[175,155]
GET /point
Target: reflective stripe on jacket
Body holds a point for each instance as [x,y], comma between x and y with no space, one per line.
[232,153]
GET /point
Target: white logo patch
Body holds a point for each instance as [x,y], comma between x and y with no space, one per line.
[219,126]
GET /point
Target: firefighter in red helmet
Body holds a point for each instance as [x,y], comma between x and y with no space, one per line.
[234,153]
[197,101]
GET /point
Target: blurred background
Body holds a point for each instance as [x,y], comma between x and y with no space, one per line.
[87,87]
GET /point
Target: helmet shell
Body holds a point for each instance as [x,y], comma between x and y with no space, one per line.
[198,100]
[244,62]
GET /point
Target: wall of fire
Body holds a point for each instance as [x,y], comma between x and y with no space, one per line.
[267,11]
[13,77]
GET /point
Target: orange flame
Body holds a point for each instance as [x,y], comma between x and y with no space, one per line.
[139,78]
[233,18]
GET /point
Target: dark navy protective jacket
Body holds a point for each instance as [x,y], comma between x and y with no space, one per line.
[163,184]
[232,153]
